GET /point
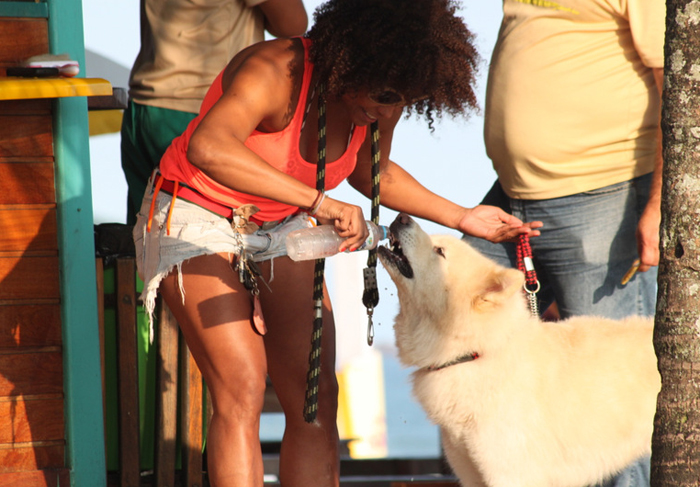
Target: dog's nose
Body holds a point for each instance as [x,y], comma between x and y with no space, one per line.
[403,219]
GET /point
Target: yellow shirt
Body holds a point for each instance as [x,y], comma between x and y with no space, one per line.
[184,46]
[571,101]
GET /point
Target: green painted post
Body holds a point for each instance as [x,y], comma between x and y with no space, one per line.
[85,455]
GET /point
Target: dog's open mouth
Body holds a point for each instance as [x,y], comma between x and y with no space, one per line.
[394,255]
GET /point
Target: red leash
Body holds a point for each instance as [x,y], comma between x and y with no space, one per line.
[526,265]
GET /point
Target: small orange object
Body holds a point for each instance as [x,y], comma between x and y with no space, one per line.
[159,183]
[630,273]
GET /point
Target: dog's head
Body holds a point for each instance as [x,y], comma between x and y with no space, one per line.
[444,287]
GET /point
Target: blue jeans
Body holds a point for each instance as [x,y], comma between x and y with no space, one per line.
[638,474]
[585,248]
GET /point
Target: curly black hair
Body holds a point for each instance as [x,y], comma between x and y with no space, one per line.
[420,48]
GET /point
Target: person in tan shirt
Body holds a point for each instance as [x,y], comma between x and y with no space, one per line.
[184,45]
[572,126]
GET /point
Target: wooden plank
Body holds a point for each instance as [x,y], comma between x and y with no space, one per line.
[100,278]
[350,467]
[31,420]
[18,88]
[390,481]
[118,100]
[28,229]
[166,398]
[37,478]
[127,363]
[25,107]
[29,183]
[427,483]
[30,325]
[29,277]
[27,457]
[25,374]
[24,8]
[26,135]
[191,418]
[22,39]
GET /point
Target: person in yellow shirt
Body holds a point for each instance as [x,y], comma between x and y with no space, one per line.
[572,126]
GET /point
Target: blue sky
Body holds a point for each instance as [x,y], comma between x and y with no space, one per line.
[451,161]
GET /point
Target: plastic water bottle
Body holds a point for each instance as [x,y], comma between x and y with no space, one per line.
[323,241]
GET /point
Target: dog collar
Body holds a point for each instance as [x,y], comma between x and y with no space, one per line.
[459,360]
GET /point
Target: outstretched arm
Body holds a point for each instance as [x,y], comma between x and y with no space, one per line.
[402,192]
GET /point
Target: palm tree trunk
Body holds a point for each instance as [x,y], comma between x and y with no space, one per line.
[676,439]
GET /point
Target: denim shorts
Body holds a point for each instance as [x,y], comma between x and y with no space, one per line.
[195,231]
[586,245]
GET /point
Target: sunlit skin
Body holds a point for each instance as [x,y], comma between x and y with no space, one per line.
[261,88]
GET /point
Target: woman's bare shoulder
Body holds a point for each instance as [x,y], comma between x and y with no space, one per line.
[274,58]
[267,78]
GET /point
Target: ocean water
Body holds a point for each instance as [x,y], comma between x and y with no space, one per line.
[409,433]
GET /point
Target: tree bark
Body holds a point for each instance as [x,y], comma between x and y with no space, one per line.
[676,438]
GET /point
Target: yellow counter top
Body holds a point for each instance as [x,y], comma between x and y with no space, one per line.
[16,88]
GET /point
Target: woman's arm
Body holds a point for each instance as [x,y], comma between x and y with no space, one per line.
[402,192]
[260,92]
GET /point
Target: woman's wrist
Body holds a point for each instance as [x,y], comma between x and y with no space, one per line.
[456,219]
[320,196]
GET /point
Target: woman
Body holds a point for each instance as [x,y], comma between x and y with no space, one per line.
[255,143]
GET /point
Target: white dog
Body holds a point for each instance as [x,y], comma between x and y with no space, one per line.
[519,402]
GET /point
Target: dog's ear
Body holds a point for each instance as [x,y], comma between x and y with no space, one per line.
[498,287]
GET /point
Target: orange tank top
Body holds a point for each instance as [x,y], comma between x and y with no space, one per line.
[279,149]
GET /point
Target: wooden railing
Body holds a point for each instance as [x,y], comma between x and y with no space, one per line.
[172,356]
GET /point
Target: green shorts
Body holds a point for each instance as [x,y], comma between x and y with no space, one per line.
[146,133]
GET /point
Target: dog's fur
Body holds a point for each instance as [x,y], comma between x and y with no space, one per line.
[545,404]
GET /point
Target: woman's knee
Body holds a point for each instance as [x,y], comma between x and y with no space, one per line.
[241,396]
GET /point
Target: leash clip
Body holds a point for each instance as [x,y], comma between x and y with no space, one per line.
[532,298]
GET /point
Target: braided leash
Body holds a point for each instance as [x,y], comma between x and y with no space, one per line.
[370,297]
[311,399]
[526,265]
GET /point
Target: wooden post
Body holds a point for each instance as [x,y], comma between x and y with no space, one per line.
[129,458]
[166,399]
[100,274]
[191,419]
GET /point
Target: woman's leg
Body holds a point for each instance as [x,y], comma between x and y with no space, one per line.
[309,454]
[215,321]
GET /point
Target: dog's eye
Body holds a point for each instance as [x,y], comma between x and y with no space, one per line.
[440,251]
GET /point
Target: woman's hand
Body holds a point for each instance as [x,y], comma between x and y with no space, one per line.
[348,220]
[495,225]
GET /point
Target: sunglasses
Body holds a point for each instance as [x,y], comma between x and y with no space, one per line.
[387,97]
